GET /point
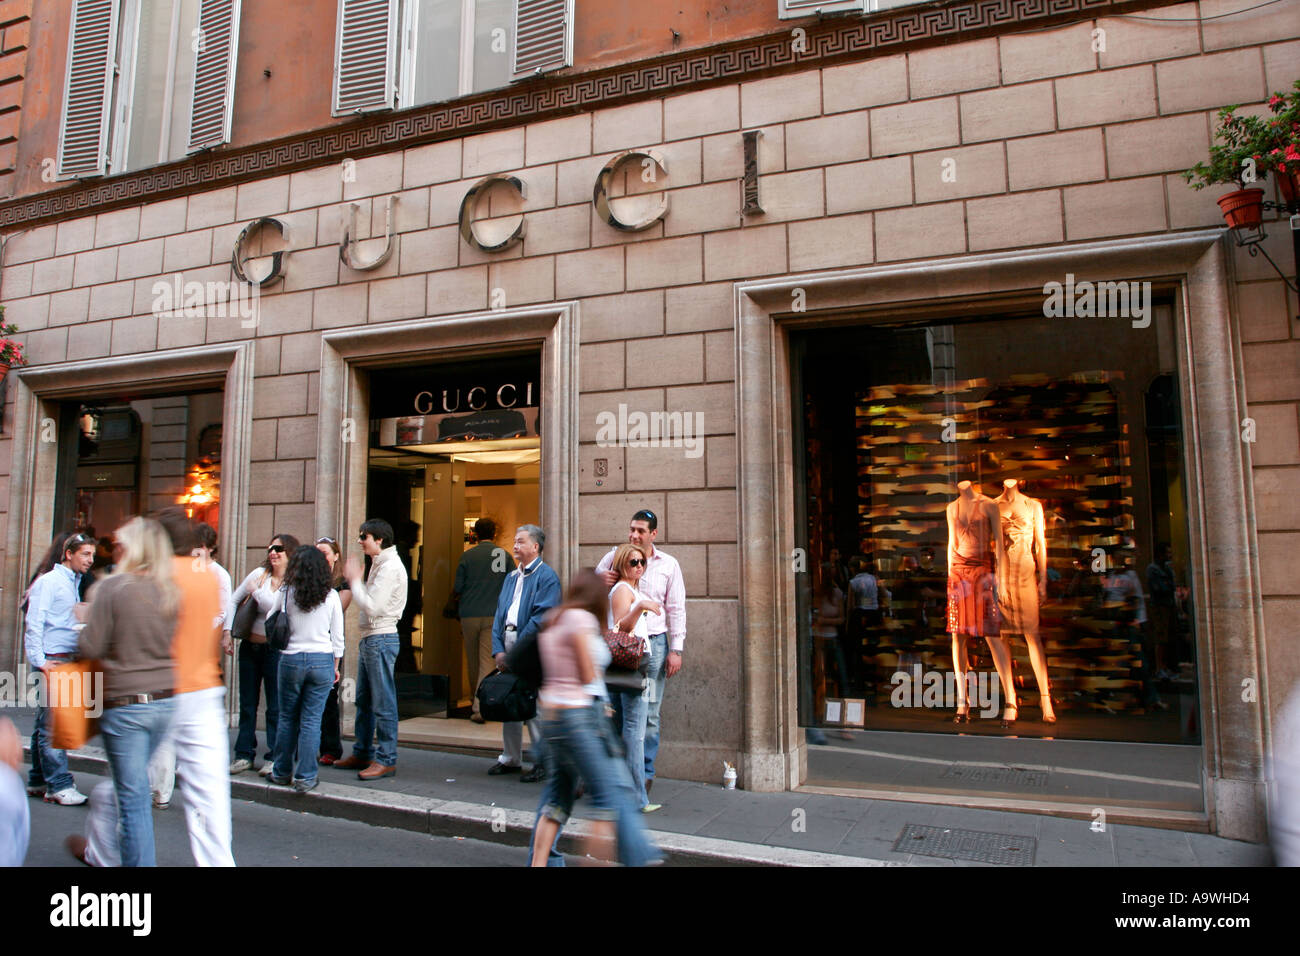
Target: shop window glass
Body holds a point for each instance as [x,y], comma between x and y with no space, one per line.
[1085,558]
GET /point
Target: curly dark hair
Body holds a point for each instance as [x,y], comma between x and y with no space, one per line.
[309,576]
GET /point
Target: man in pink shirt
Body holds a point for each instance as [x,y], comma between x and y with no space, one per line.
[661,582]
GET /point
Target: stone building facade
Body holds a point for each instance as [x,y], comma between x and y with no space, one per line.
[950,169]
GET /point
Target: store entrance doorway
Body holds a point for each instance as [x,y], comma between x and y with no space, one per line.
[449,444]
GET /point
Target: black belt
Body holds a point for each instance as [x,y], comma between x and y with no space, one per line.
[136,699]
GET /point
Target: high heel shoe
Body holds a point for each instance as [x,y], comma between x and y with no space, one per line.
[962,718]
[1009,715]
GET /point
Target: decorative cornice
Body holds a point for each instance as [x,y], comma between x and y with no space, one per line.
[828,42]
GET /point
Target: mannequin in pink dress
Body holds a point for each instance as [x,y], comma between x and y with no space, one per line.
[1023,587]
[975,560]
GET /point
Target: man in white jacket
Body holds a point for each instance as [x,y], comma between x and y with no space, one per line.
[382,599]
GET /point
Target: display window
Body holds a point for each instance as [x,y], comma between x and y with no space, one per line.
[996,529]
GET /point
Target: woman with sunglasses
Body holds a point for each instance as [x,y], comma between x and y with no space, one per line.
[331,737]
[259,662]
[628,608]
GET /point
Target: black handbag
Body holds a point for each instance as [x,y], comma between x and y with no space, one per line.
[241,625]
[503,696]
[626,680]
[277,625]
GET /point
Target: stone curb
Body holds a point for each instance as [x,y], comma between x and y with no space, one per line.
[452,818]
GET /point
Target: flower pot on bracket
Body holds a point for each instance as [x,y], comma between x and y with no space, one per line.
[1289,184]
[1243,208]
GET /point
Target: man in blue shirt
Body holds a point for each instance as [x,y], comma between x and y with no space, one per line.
[528,593]
[51,637]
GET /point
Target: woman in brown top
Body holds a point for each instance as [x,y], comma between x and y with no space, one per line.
[129,630]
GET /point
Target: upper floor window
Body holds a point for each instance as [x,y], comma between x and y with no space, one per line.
[148,81]
[400,53]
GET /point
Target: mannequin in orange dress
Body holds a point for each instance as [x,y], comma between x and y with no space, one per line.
[975,561]
[1023,586]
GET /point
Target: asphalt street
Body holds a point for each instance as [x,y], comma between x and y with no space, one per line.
[267,836]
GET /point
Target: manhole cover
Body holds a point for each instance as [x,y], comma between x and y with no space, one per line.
[1005,849]
[1000,776]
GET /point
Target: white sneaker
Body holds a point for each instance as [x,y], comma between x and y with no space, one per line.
[68,797]
[240,765]
[266,769]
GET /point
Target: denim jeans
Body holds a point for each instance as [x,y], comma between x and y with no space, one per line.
[376,718]
[258,664]
[49,766]
[580,746]
[630,724]
[131,734]
[304,682]
[654,697]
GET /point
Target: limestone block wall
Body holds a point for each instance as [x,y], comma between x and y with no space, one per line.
[1051,141]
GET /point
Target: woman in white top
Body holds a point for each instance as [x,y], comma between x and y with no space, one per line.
[309,664]
[259,662]
[628,608]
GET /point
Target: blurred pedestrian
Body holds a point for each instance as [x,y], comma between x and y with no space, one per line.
[15,818]
[480,573]
[50,637]
[129,629]
[331,734]
[198,739]
[308,665]
[580,742]
[259,662]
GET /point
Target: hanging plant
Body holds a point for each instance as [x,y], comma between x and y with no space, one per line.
[11,351]
[1248,148]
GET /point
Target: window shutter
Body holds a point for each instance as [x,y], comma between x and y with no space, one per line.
[789,9]
[543,36]
[92,45]
[214,73]
[364,55]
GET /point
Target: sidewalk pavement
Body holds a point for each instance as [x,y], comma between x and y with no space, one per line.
[451,794]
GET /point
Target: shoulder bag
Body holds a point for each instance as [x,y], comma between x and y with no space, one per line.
[277,625]
[241,627]
[503,696]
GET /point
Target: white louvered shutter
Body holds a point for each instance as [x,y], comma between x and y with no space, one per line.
[88,97]
[789,9]
[214,73]
[543,36]
[364,56]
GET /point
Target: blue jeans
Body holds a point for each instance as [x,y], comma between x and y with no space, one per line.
[49,766]
[258,665]
[630,724]
[581,746]
[304,681]
[654,698]
[376,700]
[131,734]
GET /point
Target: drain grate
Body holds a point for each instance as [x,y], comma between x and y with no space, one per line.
[1001,776]
[1005,849]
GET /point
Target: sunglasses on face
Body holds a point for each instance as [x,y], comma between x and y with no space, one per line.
[275,549]
[636,562]
[362,537]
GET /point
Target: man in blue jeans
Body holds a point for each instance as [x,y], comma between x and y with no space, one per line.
[661,582]
[382,599]
[50,637]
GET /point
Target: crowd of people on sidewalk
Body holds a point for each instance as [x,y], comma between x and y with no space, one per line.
[159,619]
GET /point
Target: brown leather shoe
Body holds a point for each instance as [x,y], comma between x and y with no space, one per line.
[351,763]
[76,844]
[377,770]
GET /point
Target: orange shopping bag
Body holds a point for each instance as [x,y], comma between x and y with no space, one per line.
[73,691]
